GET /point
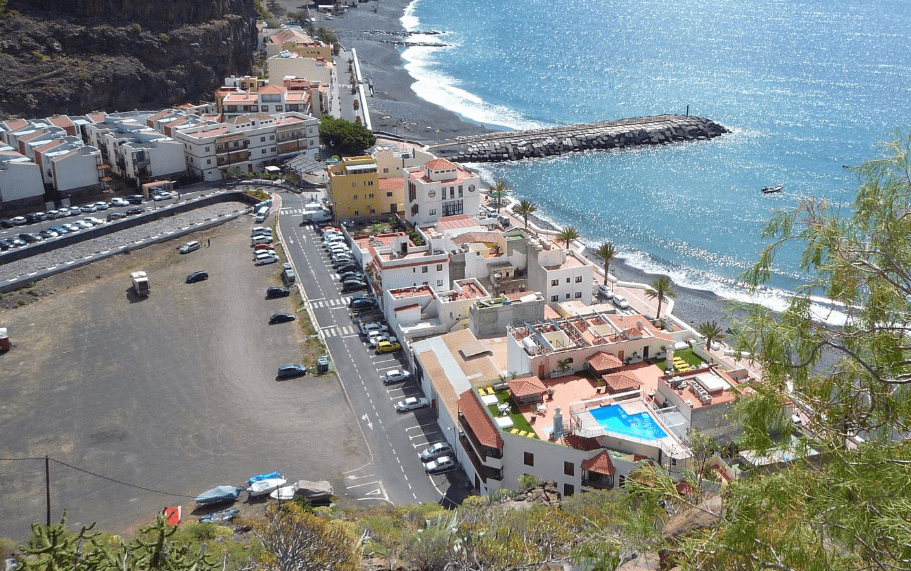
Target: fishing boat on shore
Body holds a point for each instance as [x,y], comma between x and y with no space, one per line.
[771,189]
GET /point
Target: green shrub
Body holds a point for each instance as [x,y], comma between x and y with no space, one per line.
[528,481]
[38,55]
[164,38]
[137,28]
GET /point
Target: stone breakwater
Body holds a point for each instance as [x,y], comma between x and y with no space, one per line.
[605,135]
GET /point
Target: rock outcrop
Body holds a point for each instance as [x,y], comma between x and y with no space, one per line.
[74,57]
[624,133]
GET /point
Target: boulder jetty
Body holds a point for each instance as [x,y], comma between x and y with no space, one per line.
[604,135]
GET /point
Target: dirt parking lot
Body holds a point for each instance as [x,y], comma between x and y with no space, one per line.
[173,394]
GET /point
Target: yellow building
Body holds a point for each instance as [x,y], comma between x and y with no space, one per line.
[358,189]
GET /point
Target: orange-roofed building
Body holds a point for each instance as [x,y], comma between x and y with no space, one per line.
[440,188]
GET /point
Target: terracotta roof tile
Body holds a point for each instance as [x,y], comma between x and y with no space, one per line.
[621,382]
[479,420]
[526,386]
[600,463]
[439,165]
[602,361]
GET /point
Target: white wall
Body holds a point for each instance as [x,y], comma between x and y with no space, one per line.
[20,180]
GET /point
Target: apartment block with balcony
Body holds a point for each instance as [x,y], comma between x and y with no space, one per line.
[354,189]
[560,274]
[440,188]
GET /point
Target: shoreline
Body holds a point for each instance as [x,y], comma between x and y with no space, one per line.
[395,107]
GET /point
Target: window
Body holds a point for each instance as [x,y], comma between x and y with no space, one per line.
[567,296]
[272,149]
[433,211]
[262,139]
[272,137]
[440,284]
[460,192]
[567,280]
[388,195]
[264,151]
[529,459]
[369,183]
[354,197]
[673,461]
[568,490]
[555,298]
[578,295]
[372,211]
[569,469]
[278,108]
[578,279]
[453,208]
[386,170]
[353,184]
[207,149]
[357,212]
[370,195]
[439,267]
[554,282]
[208,161]
[424,269]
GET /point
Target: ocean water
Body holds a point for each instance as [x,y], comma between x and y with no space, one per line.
[806,88]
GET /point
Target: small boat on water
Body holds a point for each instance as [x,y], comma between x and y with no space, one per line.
[221,494]
[264,487]
[771,189]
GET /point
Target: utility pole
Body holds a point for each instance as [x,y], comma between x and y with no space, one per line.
[47,487]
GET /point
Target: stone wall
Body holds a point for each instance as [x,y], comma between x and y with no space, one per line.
[605,135]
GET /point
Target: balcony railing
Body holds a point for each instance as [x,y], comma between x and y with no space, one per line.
[485,472]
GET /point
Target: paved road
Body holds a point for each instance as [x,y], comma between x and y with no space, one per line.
[396,474]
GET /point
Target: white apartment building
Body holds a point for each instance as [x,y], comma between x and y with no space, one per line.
[135,151]
[559,274]
[396,263]
[78,171]
[247,143]
[440,188]
[301,96]
[20,180]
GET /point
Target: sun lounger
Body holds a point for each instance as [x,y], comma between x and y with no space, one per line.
[514,431]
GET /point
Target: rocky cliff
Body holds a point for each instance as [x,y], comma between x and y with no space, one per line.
[75,56]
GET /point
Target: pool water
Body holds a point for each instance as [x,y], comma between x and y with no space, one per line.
[639,425]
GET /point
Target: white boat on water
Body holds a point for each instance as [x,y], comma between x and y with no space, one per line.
[284,493]
[267,486]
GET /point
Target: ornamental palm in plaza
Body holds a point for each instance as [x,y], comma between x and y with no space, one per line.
[524,209]
[606,252]
[661,288]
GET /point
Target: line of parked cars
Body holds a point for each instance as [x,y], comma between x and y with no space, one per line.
[342,260]
[262,241]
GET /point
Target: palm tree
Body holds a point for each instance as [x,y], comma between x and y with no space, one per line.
[525,208]
[662,289]
[498,191]
[711,331]
[606,252]
[567,235]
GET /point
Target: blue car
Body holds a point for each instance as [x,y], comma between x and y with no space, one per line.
[60,230]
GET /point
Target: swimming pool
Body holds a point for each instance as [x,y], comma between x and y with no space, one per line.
[638,425]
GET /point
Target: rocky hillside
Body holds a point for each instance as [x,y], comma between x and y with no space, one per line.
[75,56]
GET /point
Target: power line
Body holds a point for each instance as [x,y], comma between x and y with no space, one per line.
[89,472]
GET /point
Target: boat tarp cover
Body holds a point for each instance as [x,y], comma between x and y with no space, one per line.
[268,476]
[220,493]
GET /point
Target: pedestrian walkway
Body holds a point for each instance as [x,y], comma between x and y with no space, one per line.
[336,331]
[342,302]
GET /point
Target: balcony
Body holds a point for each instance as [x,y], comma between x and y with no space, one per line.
[485,472]
[486,451]
[598,482]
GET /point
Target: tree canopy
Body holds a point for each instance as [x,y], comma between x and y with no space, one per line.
[349,138]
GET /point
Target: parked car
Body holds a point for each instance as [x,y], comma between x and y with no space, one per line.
[344,264]
[395,376]
[198,276]
[52,215]
[374,339]
[88,208]
[135,210]
[94,220]
[135,198]
[368,328]
[620,301]
[288,274]
[102,206]
[292,370]
[30,237]
[348,268]
[349,275]
[276,292]
[60,230]
[84,224]
[74,211]
[361,303]
[189,247]
[261,254]
[262,246]
[6,223]
[436,450]
[35,217]
[163,195]
[71,227]
[281,318]
[119,202]
[267,261]
[48,233]
[440,465]
[257,229]
[605,292]
[411,403]
[18,220]
[353,285]
[388,347]
[115,216]
[261,239]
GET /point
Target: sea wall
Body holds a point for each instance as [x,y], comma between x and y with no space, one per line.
[605,135]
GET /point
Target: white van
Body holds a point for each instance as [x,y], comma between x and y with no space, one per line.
[261,214]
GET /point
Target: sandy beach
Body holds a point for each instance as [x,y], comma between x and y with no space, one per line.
[372,28]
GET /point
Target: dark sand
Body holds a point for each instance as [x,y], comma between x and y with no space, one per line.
[395,107]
